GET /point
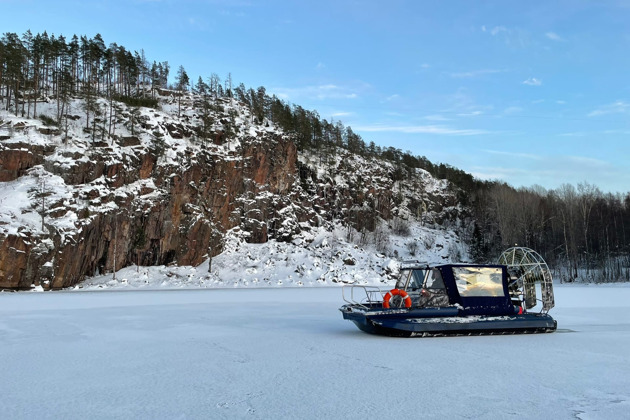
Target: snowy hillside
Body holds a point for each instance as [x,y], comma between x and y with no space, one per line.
[151,190]
[321,260]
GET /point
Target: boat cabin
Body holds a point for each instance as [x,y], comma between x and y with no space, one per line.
[475,288]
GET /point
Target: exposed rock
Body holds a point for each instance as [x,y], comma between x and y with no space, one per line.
[49,131]
[171,202]
[129,141]
[17,158]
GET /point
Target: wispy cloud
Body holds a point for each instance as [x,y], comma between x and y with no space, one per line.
[421,129]
[496,30]
[595,133]
[494,173]
[554,36]
[392,97]
[574,134]
[470,113]
[342,114]
[435,117]
[532,81]
[474,73]
[197,24]
[516,155]
[524,169]
[512,110]
[512,36]
[626,132]
[587,162]
[618,107]
[463,104]
[319,92]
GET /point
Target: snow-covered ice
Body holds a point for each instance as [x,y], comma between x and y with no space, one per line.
[287,353]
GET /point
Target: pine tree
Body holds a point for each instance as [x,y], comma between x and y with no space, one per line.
[182,81]
[155,79]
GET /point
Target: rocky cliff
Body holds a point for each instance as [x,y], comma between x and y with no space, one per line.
[81,201]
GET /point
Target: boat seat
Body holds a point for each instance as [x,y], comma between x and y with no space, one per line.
[437,299]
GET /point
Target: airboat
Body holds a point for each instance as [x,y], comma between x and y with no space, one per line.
[510,297]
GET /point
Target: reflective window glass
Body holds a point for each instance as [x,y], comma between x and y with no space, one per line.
[479,281]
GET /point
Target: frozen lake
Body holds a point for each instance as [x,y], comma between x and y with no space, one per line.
[287,353]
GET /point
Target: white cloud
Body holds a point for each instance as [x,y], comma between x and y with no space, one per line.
[474,73]
[532,81]
[197,24]
[618,107]
[553,36]
[513,37]
[574,134]
[435,117]
[587,162]
[421,129]
[550,171]
[626,132]
[498,29]
[320,66]
[516,155]
[470,114]
[392,97]
[512,110]
[320,92]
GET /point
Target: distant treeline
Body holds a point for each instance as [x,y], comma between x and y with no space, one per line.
[580,230]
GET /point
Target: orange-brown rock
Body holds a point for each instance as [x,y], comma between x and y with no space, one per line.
[197,202]
[17,158]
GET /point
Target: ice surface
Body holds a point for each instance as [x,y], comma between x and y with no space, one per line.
[287,353]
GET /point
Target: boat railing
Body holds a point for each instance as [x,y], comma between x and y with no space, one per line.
[362,295]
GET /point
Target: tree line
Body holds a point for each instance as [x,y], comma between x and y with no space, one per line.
[32,66]
[581,231]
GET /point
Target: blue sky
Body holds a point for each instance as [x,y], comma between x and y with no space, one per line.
[528,92]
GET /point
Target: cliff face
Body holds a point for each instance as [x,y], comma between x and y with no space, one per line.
[80,205]
[176,215]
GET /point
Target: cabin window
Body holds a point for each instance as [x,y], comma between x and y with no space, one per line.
[434,280]
[417,277]
[411,280]
[479,281]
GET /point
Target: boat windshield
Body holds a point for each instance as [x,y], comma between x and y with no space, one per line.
[479,281]
[411,279]
[416,280]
